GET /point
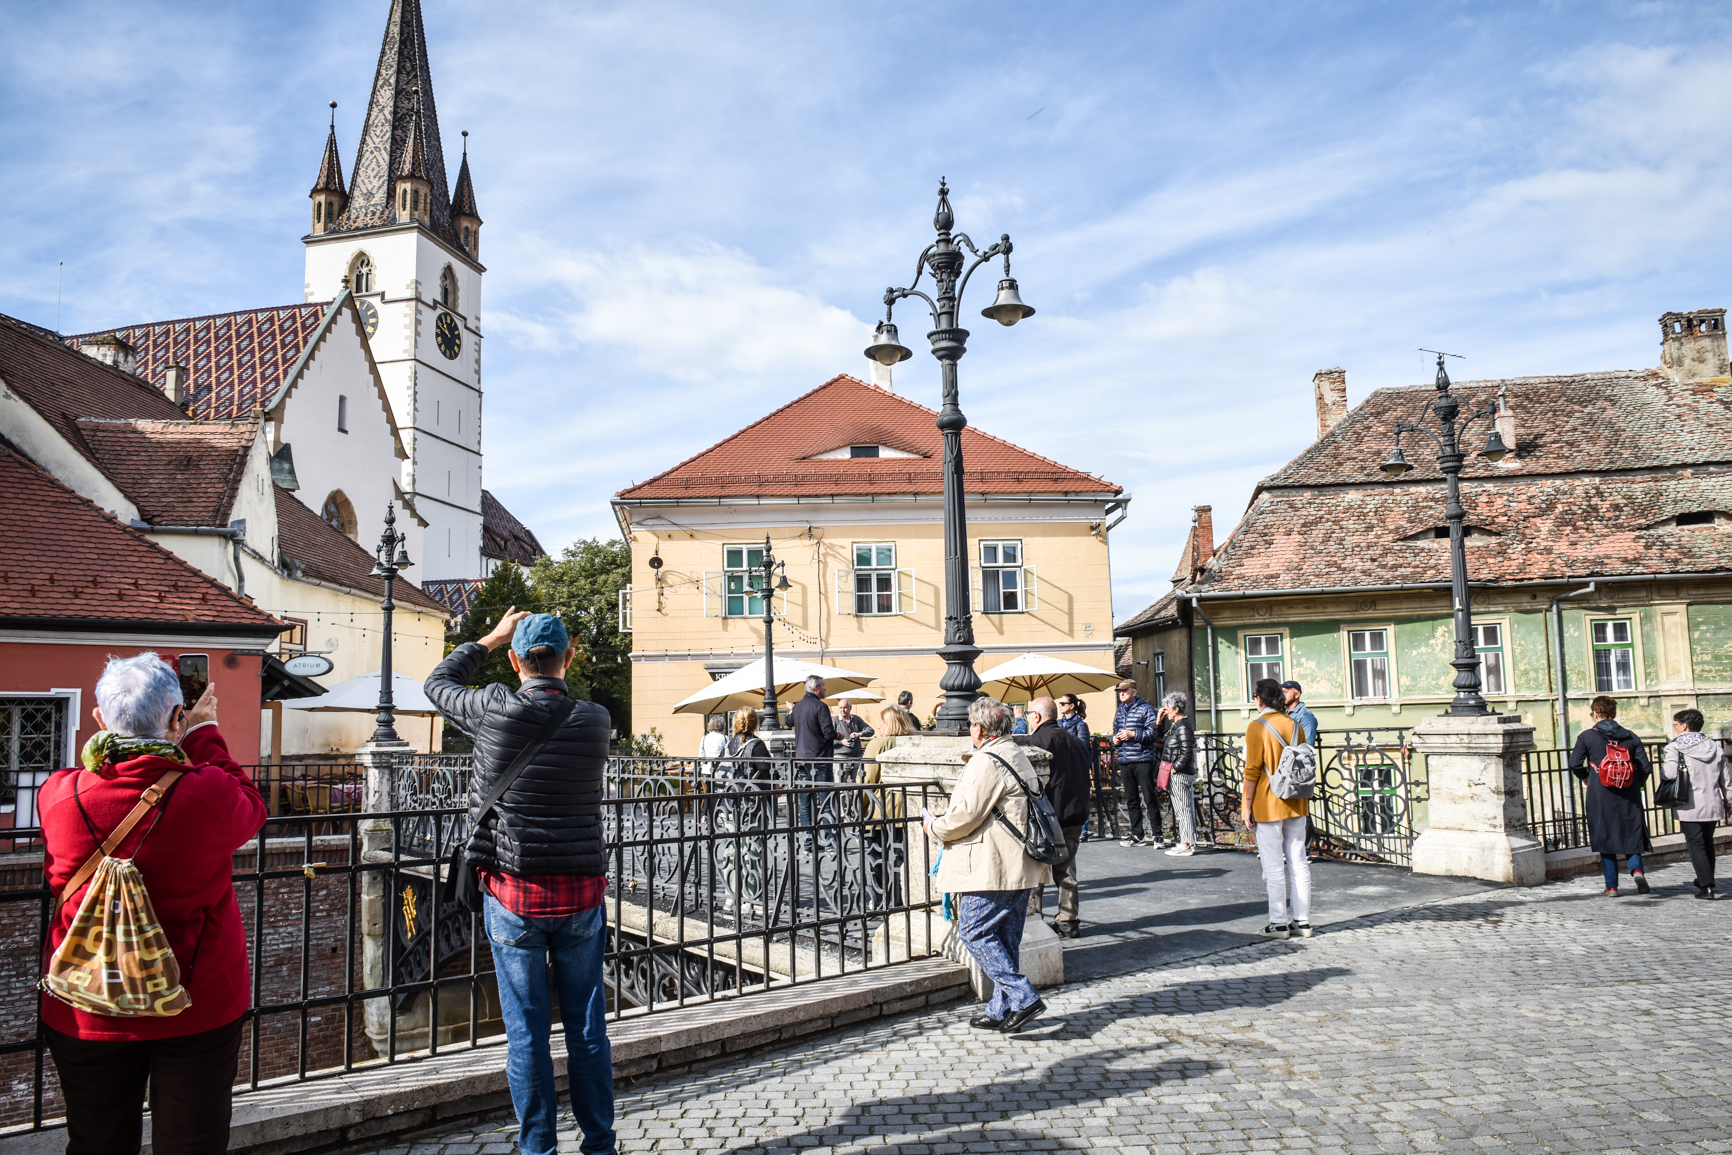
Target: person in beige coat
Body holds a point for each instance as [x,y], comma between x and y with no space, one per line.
[984,866]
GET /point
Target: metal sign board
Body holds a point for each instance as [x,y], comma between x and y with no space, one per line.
[308,665]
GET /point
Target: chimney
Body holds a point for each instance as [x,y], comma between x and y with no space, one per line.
[1330,386]
[1205,534]
[111,350]
[1505,423]
[880,375]
[174,385]
[1693,345]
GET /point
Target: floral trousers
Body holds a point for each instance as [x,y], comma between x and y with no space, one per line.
[989,924]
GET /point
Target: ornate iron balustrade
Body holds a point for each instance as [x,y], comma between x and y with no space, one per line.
[1557,802]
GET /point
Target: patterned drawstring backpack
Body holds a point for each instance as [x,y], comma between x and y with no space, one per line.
[115,959]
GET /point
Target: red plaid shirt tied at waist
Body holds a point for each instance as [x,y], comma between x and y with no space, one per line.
[544,895]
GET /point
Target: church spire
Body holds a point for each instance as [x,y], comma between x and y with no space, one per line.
[329,195]
[465,217]
[401,133]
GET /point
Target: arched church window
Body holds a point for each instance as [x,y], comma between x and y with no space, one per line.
[448,289]
[339,514]
[361,276]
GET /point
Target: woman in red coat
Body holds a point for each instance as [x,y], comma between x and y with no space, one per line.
[184,848]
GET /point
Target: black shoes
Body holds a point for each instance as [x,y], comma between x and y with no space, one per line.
[1706,892]
[1642,886]
[986,1023]
[1014,1022]
[1067,929]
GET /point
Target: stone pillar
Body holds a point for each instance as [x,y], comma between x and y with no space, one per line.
[940,758]
[1479,826]
[379,762]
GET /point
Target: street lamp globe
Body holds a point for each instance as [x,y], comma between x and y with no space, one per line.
[1495,450]
[1008,309]
[1397,465]
[886,348]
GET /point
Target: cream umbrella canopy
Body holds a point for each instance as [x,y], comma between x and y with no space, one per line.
[854,696]
[744,688]
[1030,675]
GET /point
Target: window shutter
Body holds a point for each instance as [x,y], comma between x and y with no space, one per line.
[625,610]
[904,591]
[844,591]
[1030,589]
[712,591]
[975,601]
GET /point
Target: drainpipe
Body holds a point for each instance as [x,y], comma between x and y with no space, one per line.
[1214,691]
[1558,624]
[235,531]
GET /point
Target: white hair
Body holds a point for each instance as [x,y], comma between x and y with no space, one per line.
[137,695]
[814,681]
[1175,700]
[992,716]
[716,725]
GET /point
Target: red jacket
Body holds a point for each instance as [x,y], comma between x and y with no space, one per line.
[188,867]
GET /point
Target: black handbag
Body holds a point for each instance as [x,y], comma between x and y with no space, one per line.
[461,884]
[1676,793]
[1043,841]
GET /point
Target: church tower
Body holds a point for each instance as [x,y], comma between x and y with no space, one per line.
[409,251]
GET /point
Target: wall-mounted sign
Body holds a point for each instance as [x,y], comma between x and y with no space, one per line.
[308,665]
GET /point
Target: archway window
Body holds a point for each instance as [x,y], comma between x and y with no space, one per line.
[339,514]
[448,289]
[361,278]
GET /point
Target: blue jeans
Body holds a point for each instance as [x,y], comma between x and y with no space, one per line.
[989,923]
[807,772]
[521,949]
[1609,868]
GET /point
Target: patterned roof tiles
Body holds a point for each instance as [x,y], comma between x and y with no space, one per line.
[505,538]
[776,455]
[62,558]
[330,178]
[463,200]
[235,361]
[456,594]
[176,472]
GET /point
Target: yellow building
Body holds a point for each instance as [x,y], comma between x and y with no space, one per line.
[847,483]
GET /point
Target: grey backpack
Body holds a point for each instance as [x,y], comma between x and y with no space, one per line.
[1295,775]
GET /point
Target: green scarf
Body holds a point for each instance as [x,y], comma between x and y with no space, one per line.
[106,746]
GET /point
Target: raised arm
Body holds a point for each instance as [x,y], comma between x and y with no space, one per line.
[448,686]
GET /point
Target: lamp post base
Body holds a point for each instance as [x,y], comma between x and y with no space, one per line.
[961,686]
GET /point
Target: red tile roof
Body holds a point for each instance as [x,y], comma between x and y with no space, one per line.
[235,362]
[64,560]
[774,456]
[176,472]
[324,553]
[504,537]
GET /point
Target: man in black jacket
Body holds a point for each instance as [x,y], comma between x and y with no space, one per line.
[543,868]
[1068,791]
[814,738]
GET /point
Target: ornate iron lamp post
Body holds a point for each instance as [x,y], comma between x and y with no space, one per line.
[945,259]
[391,558]
[1468,701]
[777,570]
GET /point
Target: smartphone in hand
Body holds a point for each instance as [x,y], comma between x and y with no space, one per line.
[194,673]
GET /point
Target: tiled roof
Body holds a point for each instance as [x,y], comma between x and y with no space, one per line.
[1589,422]
[455,594]
[463,200]
[774,456]
[330,177]
[1165,608]
[62,558]
[504,537]
[235,361]
[63,385]
[1122,662]
[326,554]
[176,472]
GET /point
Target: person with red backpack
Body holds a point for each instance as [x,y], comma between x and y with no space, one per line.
[1611,760]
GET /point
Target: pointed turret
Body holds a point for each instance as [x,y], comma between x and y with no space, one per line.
[400,138]
[329,195]
[465,217]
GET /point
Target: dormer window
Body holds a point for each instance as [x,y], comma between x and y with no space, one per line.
[1699,517]
[863,451]
[1694,517]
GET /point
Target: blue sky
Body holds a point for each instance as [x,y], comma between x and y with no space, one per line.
[693,209]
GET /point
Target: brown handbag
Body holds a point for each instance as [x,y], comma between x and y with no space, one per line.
[115,959]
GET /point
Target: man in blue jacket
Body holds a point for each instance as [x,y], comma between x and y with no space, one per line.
[814,744]
[1134,725]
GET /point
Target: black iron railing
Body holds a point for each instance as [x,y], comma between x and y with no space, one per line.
[1557,801]
[717,886]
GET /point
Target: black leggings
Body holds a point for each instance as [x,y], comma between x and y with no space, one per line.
[190,1080]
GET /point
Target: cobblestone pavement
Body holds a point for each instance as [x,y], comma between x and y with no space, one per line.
[1543,1020]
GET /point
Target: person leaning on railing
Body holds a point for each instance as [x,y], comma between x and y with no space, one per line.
[184,849]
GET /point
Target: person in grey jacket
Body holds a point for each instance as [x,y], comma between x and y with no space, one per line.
[1700,758]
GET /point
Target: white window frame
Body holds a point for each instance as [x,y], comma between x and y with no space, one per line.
[1027,578]
[625,610]
[1506,667]
[24,811]
[1387,653]
[1246,657]
[902,594]
[1633,647]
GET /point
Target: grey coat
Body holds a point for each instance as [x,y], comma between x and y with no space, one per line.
[1710,778]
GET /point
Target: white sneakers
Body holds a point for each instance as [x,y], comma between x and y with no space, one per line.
[1183,850]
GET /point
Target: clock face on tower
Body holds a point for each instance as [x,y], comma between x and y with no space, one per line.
[448,336]
[369,317]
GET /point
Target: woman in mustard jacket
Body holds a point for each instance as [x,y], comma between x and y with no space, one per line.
[1279,823]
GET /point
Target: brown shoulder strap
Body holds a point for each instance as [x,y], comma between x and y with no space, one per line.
[152,795]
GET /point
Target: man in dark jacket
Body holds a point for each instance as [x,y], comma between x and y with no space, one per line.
[542,866]
[1134,738]
[1616,823]
[1067,789]
[814,743]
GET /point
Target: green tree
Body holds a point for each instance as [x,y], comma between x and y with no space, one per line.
[506,588]
[582,586]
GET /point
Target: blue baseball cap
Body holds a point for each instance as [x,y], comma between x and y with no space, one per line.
[540,630]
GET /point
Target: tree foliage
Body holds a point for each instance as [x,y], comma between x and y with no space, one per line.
[506,588]
[582,586]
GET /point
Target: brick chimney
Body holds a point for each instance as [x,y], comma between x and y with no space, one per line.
[174,385]
[1330,386]
[1693,345]
[111,350]
[1204,533]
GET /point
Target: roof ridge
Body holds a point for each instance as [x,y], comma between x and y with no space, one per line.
[112,329]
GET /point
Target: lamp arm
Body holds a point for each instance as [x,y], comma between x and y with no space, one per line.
[1400,429]
[979,260]
[891,295]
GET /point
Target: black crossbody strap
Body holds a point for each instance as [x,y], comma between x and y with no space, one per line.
[561,711]
[1022,835]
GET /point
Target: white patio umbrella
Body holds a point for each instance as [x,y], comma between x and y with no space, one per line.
[855,696]
[1030,675]
[744,687]
[362,695]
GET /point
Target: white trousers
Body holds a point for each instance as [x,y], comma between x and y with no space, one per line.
[1286,870]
